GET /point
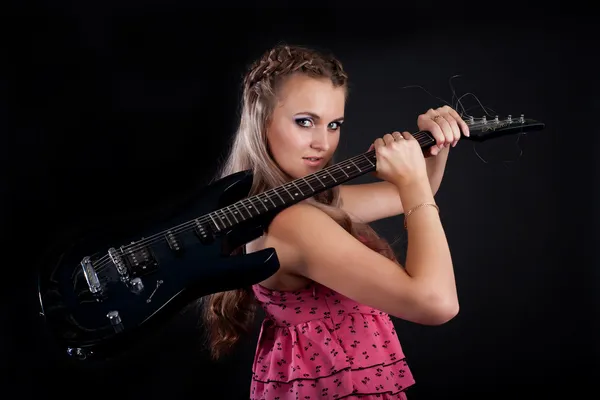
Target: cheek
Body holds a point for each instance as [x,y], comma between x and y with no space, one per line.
[281,142]
[288,139]
[298,138]
[335,140]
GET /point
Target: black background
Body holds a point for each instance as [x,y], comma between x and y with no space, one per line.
[114,110]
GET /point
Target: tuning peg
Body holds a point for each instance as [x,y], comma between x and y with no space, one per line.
[496,119]
[522,119]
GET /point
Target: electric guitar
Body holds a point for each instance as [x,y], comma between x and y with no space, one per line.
[98,300]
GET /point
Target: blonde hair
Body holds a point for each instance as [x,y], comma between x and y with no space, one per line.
[229,314]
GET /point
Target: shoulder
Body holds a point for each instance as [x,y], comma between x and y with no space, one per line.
[305,225]
[306,236]
[292,231]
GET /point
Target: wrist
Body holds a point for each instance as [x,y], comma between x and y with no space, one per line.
[415,193]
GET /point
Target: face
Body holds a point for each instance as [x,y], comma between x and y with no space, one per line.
[306,124]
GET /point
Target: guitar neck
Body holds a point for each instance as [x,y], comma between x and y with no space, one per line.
[300,189]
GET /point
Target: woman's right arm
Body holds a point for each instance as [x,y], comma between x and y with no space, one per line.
[311,244]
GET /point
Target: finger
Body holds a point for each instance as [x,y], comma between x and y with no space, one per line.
[437,133]
[428,152]
[461,123]
[388,139]
[434,150]
[444,124]
[455,129]
[406,135]
[371,147]
[378,143]
[436,129]
[451,116]
[397,136]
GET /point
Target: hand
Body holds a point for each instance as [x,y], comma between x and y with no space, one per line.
[400,159]
[445,125]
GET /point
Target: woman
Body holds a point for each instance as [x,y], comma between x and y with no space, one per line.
[327,331]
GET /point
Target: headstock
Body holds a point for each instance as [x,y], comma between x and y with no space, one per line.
[483,128]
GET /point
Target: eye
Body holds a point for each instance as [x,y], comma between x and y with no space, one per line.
[335,125]
[304,122]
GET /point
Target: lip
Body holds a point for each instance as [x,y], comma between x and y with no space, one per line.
[313,163]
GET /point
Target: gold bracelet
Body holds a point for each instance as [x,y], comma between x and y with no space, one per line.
[417,207]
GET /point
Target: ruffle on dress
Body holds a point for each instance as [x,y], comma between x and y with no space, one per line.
[359,355]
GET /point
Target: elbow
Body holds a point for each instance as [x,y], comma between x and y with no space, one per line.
[439,310]
[444,313]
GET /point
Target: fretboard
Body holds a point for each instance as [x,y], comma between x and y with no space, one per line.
[300,189]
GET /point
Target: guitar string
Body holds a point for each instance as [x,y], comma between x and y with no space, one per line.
[237,216]
[189,225]
[275,191]
[362,160]
[134,247]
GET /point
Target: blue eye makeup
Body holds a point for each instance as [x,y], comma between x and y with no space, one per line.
[307,122]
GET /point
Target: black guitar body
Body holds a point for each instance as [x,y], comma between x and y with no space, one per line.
[161,280]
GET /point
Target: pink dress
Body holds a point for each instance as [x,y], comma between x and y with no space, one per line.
[315,343]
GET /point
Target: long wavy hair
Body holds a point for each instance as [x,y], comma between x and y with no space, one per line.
[227,315]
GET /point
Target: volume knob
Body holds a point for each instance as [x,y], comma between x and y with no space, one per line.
[137,286]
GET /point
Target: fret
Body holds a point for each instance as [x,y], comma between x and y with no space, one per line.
[278,195]
[303,188]
[214,222]
[324,177]
[233,213]
[365,163]
[424,138]
[223,220]
[369,161]
[285,191]
[342,169]
[249,207]
[353,163]
[268,198]
[209,225]
[348,167]
[261,202]
[331,175]
[319,180]
[311,188]
[238,212]
[226,215]
[294,194]
[300,190]
[238,207]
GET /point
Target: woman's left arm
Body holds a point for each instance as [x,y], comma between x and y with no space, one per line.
[374,201]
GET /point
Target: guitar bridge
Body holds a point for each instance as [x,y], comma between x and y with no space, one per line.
[91,277]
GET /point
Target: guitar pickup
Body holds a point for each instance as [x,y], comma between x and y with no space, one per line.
[133,260]
[140,260]
[173,242]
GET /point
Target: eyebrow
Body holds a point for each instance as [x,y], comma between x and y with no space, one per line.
[315,116]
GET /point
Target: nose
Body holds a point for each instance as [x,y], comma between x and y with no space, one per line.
[320,140]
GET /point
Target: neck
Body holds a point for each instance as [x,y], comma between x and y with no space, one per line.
[292,192]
